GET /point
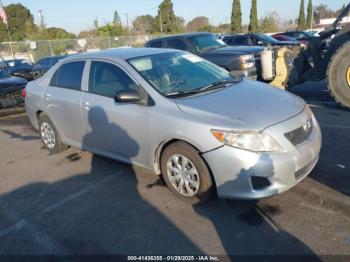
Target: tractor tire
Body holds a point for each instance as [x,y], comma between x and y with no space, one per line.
[338,76]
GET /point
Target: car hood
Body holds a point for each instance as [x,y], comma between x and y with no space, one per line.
[248,105]
[236,50]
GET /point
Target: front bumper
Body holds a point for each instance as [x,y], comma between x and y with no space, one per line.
[234,169]
[249,73]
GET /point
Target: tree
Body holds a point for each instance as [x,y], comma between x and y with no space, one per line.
[166,20]
[270,23]
[301,20]
[96,23]
[144,24]
[109,30]
[254,25]
[236,18]
[116,19]
[223,28]
[309,15]
[58,33]
[19,21]
[117,23]
[180,24]
[198,24]
[322,11]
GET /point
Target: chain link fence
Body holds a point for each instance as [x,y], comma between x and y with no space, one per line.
[35,50]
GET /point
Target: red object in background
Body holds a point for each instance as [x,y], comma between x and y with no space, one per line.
[24,92]
[3,14]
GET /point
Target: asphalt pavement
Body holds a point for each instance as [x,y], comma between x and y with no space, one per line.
[78,203]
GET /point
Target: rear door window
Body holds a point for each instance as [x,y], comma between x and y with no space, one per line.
[69,75]
[240,40]
[176,44]
[156,44]
[43,62]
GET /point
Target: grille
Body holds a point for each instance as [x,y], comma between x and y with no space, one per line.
[301,134]
[258,64]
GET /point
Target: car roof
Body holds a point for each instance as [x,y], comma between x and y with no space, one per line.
[182,35]
[122,53]
[53,57]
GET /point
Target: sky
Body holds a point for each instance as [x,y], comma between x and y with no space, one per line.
[77,15]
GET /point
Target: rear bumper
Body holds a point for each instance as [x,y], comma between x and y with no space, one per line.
[235,170]
[26,75]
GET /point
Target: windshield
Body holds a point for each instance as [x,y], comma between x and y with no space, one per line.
[4,71]
[309,34]
[179,73]
[268,39]
[287,38]
[206,42]
[18,62]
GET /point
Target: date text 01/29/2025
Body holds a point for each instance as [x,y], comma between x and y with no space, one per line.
[173,258]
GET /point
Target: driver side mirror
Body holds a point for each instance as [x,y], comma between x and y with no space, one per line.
[127,97]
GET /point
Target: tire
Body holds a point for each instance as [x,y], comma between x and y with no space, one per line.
[51,140]
[197,186]
[338,76]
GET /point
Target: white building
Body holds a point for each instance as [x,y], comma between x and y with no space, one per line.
[329,21]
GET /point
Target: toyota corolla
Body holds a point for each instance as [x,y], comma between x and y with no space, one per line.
[188,120]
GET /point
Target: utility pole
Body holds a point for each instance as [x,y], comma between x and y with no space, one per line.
[127,23]
[160,22]
[42,19]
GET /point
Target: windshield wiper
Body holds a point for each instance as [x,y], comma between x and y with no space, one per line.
[220,84]
[212,86]
[183,93]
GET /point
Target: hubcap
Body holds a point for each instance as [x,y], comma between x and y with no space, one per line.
[183,175]
[47,135]
[348,76]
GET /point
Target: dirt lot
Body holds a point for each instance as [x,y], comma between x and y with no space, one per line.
[77,203]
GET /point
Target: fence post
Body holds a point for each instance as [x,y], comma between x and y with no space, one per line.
[51,48]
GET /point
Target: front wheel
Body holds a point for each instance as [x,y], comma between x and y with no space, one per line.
[186,174]
[338,76]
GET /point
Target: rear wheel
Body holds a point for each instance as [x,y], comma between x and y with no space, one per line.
[186,174]
[338,76]
[49,135]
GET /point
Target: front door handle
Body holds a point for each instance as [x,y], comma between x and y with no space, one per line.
[48,97]
[88,105]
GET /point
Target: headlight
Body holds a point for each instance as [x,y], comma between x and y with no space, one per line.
[308,111]
[257,142]
[247,61]
[246,58]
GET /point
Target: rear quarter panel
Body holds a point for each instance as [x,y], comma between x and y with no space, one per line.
[33,100]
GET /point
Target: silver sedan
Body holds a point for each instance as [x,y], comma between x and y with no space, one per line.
[186,119]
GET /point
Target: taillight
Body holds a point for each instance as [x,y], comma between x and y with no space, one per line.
[24,92]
